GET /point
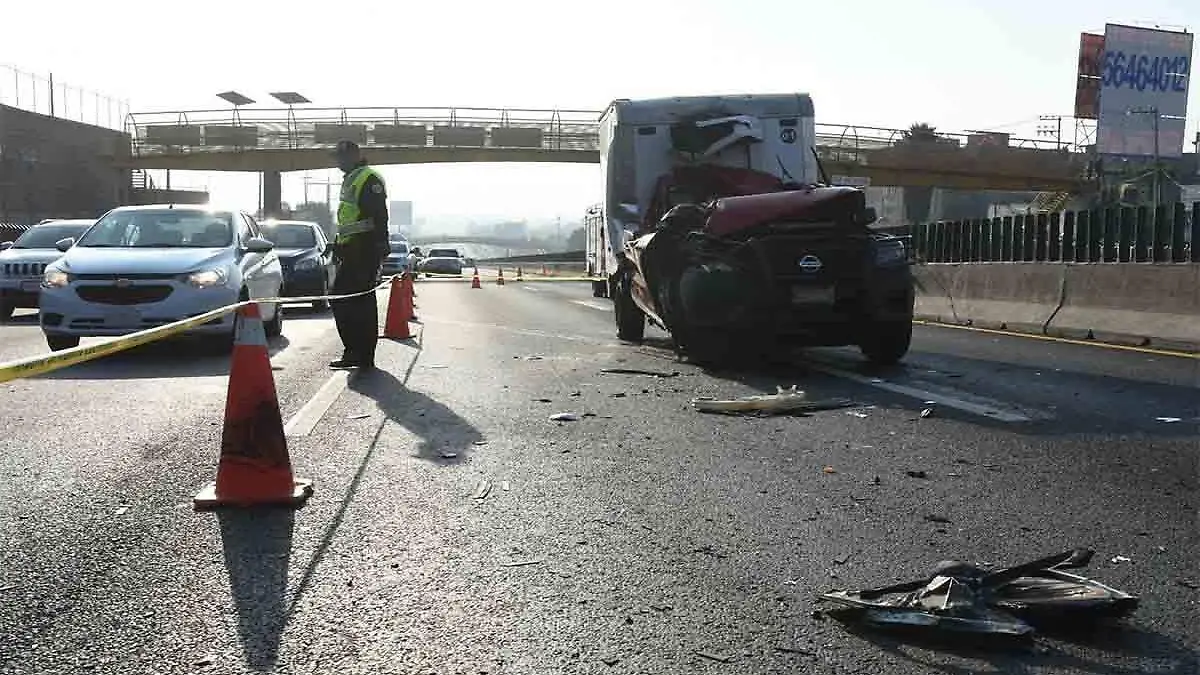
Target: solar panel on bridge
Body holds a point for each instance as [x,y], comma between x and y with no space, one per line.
[401,134]
[171,134]
[458,136]
[236,136]
[516,137]
[330,134]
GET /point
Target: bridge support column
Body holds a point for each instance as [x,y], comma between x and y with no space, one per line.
[272,193]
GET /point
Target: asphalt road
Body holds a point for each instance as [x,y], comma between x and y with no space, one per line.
[456,529]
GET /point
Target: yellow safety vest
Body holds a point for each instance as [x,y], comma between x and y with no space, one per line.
[349,217]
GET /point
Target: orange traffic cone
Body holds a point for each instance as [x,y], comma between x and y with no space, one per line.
[475,280]
[399,312]
[254,469]
[500,278]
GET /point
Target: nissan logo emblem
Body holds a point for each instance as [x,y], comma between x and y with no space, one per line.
[810,263]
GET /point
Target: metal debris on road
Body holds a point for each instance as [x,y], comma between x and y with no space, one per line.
[446,454]
[522,563]
[360,416]
[480,443]
[639,371]
[1117,560]
[123,510]
[927,412]
[564,417]
[962,599]
[542,400]
[916,474]
[1169,420]
[482,489]
[782,402]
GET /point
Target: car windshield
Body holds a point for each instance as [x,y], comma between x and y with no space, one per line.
[399,248]
[44,236]
[443,253]
[166,228]
[289,235]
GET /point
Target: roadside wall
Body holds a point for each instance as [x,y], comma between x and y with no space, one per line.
[56,168]
[1145,304]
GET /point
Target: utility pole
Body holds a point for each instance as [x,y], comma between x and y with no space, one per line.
[1054,130]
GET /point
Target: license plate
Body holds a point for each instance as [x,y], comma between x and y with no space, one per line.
[31,286]
[812,295]
[123,317]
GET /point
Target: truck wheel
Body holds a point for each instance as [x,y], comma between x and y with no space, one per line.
[59,342]
[887,343]
[631,320]
[599,289]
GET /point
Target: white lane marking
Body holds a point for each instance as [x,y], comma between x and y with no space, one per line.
[532,288]
[995,412]
[306,418]
[594,304]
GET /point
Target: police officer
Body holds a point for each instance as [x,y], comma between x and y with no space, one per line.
[360,247]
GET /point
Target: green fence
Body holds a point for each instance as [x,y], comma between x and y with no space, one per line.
[1167,234]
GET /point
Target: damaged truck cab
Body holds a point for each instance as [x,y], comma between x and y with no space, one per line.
[717,228]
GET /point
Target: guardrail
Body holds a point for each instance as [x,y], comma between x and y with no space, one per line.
[184,132]
[42,95]
[1169,233]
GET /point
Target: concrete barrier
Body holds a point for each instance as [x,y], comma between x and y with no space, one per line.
[1122,303]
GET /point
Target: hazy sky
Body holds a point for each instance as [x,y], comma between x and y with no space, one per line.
[953,63]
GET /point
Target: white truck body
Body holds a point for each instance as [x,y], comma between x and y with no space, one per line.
[773,133]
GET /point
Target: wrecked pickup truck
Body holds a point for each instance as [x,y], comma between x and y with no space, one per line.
[738,247]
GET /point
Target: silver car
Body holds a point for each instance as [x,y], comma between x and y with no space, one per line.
[23,261]
[144,266]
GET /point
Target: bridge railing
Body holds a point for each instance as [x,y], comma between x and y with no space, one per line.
[1167,234]
[287,129]
[183,132]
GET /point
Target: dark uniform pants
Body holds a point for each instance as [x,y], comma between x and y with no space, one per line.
[357,318]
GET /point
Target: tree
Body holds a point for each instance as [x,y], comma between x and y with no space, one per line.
[920,132]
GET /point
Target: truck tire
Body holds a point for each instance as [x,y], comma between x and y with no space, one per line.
[631,320]
[887,343]
[599,289]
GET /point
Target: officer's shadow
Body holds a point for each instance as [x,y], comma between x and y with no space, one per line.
[445,437]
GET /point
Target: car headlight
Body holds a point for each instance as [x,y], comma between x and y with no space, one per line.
[891,252]
[53,278]
[206,278]
[308,264]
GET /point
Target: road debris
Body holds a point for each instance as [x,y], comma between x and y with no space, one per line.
[480,443]
[482,489]
[784,401]
[963,599]
[829,469]
[796,650]
[542,400]
[639,371]
[564,417]
[935,518]
[1117,560]
[446,454]
[916,474]
[360,416]
[522,563]
[927,412]
[712,657]
[1169,420]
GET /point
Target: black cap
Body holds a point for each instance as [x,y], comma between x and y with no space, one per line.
[346,146]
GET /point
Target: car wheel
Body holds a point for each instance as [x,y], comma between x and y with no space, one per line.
[887,343]
[58,342]
[631,320]
[274,327]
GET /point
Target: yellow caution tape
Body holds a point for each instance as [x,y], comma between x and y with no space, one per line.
[39,365]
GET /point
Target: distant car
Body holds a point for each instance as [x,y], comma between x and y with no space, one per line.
[144,266]
[399,260]
[24,261]
[442,261]
[305,257]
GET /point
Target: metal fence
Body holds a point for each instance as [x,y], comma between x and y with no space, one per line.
[32,92]
[1169,233]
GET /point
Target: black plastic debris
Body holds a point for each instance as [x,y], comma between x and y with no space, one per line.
[962,599]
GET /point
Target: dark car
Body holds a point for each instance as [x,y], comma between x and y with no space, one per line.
[23,261]
[727,273]
[306,257]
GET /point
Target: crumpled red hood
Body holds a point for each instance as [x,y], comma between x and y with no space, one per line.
[733,214]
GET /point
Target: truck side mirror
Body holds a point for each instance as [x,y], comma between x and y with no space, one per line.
[868,216]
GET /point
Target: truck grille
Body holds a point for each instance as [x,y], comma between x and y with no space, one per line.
[24,269]
[130,295]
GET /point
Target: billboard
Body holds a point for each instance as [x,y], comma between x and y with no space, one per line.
[1088,75]
[1145,75]
[400,214]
